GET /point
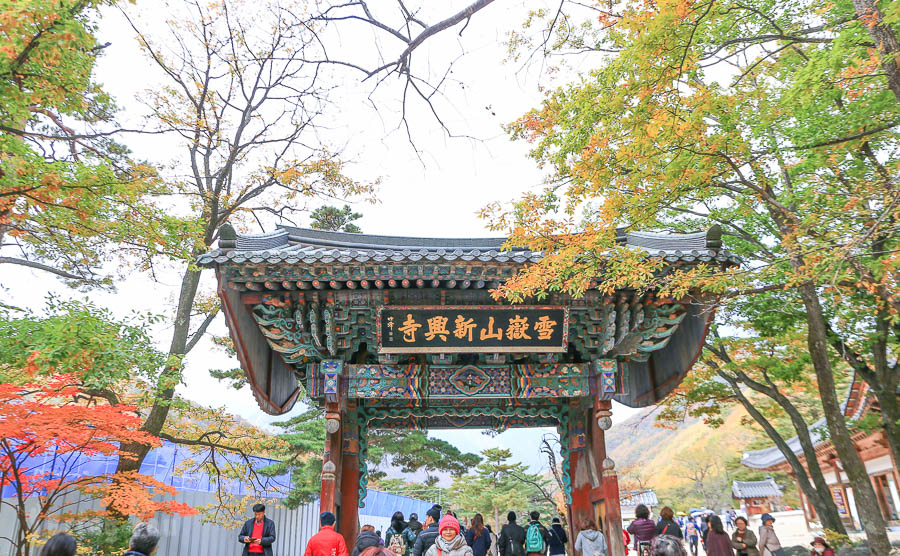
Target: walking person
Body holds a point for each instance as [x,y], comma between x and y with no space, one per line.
[820,548]
[60,544]
[667,524]
[394,539]
[692,535]
[411,533]
[478,537]
[730,515]
[258,533]
[704,530]
[769,545]
[537,537]
[512,537]
[327,542]
[449,541]
[494,550]
[642,530]
[718,543]
[590,540]
[743,540]
[366,539]
[429,534]
[144,540]
[558,538]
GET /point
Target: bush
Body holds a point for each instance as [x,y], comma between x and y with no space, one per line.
[109,540]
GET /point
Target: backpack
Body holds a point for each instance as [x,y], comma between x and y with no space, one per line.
[398,545]
[534,540]
[515,549]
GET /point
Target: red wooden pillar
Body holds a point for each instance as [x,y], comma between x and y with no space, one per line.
[580,471]
[348,526]
[610,510]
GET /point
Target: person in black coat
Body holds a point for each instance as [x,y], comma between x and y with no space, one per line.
[558,538]
[367,538]
[512,538]
[667,524]
[258,534]
[430,533]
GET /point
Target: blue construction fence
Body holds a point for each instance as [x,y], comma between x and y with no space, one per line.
[165,464]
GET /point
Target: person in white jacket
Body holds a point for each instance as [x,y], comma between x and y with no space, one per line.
[590,541]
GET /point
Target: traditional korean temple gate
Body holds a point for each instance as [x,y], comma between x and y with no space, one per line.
[396,332]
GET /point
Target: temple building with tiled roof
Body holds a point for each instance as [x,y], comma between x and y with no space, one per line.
[757,497]
[873,450]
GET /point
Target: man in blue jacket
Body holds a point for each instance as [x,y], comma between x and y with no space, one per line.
[258,534]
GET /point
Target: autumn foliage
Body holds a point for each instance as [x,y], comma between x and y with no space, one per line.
[55,418]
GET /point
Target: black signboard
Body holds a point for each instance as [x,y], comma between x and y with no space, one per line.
[472,329]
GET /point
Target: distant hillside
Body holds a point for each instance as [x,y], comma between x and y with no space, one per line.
[659,453]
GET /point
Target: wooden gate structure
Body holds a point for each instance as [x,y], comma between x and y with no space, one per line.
[398,332]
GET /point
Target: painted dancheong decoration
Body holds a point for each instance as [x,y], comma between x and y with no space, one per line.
[400,332]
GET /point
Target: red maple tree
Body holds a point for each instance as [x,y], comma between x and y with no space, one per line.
[55,418]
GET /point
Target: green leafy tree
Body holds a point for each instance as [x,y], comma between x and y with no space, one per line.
[334,219]
[80,339]
[498,486]
[68,190]
[410,451]
[766,370]
[778,123]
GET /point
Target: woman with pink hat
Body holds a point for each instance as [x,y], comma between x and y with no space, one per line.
[820,548]
[449,541]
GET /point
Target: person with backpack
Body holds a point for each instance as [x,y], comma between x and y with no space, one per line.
[590,540]
[692,534]
[537,537]
[449,541]
[478,537]
[558,538]
[393,537]
[411,533]
[667,524]
[512,537]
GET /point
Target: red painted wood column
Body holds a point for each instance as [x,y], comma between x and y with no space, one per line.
[348,525]
[582,506]
[610,510]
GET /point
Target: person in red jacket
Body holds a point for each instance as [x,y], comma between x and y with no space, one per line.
[327,542]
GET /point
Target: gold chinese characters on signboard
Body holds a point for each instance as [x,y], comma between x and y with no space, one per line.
[459,329]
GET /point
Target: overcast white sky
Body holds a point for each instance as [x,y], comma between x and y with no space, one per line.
[438,195]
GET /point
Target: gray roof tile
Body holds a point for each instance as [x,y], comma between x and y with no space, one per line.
[756,489]
[295,245]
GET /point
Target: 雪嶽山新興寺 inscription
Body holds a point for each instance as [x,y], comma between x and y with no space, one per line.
[456,329]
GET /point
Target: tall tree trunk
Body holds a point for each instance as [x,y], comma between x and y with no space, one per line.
[885,40]
[818,495]
[863,491]
[132,455]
